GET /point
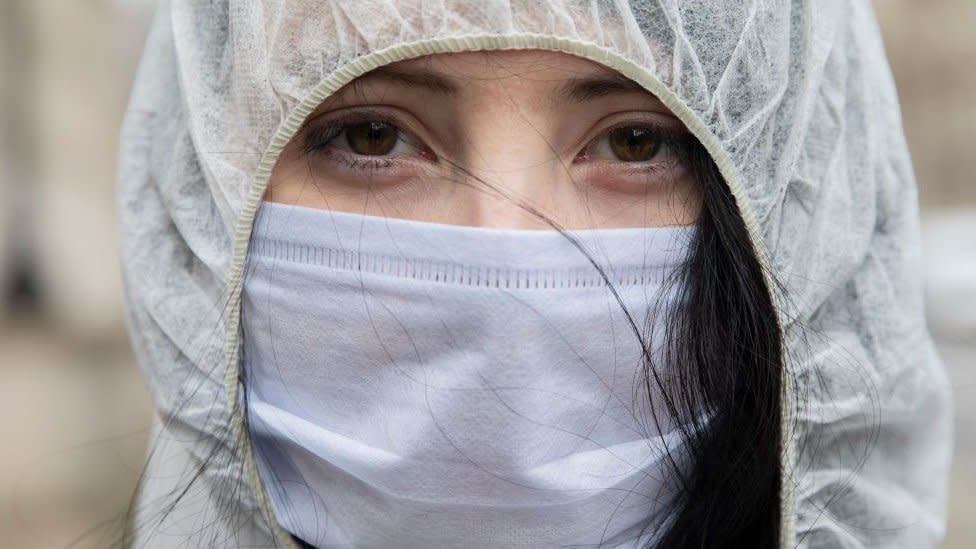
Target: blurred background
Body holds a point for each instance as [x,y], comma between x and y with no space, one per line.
[74,409]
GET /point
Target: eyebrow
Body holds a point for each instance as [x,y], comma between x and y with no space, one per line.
[429,80]
[577,90]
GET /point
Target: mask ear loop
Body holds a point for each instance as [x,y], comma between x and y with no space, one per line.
[411,50]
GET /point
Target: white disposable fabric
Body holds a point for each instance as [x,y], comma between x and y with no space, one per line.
[795,102]
[416,385]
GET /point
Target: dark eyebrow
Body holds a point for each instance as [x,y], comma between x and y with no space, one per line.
[431,81]
[579,90]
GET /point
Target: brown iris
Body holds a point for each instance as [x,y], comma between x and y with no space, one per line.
[372,138]
[634,143]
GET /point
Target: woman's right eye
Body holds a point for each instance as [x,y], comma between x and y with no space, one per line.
[372,138]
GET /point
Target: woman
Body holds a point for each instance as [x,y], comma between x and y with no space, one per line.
[317,200]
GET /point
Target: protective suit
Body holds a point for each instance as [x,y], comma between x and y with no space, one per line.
[795,103]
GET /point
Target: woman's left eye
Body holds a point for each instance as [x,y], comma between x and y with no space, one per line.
[372,138]
[634,143]
[629,144]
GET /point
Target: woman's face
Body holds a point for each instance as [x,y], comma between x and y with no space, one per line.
[493,139]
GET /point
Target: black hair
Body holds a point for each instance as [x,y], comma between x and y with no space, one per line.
[728,347]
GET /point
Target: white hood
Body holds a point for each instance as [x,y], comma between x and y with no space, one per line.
[796,104]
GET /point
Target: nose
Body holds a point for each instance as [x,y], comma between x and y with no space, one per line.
[514,174]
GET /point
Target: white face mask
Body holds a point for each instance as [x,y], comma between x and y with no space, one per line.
[415,384]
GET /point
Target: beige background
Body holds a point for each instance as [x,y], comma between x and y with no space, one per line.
[74,409]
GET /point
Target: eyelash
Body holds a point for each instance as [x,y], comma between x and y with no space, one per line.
[318,141]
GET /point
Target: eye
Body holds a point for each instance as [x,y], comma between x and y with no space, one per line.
[361,136]
[630,144]
[634,143]
[373,138]
[632,155]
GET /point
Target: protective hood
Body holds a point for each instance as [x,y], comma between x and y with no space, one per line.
[793,100]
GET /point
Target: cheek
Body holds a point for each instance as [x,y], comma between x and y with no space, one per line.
[655,205]
[685,201]
[295,181]
[302,180]
[289,179]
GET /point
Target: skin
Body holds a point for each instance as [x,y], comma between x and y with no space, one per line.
[493,139]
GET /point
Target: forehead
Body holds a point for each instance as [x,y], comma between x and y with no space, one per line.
[506,64]
[546,78]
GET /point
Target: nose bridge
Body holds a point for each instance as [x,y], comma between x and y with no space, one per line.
[507,197]
[513,155]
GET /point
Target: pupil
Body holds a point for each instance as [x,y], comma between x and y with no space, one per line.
[634,144]
[371,138]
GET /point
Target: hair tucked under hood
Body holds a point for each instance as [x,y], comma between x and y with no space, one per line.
[793,100]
